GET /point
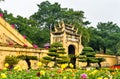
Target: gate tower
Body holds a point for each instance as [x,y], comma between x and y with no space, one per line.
[67,35]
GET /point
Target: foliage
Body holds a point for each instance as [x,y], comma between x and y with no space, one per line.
[49,15]
[24,57]
[27,59]
[105,37]
[100,60]
[28,27]
[45,61]
[56,54]
[88,55]
[11,60]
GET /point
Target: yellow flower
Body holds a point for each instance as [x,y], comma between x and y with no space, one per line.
[42,72]
[64,78]
[69,70]
[3,75]
[4,68]
[6,65]
[39,64]
[71,65]
[99,78]
[16,67]
[19,69]
[94,72]
[63,66]
[105,78]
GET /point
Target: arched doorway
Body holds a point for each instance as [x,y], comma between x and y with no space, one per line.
[71,53]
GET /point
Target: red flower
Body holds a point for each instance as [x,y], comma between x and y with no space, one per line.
[1,15]
[25,45]
[10,43]
[38,74]
[24,36]
[59,70]
[35,46]
[13,26]
[0,69]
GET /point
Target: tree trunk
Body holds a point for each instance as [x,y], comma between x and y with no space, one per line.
[28,63]
[104,50]
[55,62]
[73,61]
[88,64]
[99,64]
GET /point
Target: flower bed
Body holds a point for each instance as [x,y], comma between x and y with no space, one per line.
[115,66]
[59,73]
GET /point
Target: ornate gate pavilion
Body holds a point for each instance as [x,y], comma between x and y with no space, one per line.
[68,36]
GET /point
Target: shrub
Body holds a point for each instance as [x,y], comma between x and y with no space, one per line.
[11,60]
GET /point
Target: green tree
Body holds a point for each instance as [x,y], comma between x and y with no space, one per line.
[88,55]
[56,54]
[100,60]
[108,32]
[49,15]
[85,36]
[11,60]
[105,37]
[28,27]
[27,59]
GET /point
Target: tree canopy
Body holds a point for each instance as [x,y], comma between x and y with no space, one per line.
[106,37]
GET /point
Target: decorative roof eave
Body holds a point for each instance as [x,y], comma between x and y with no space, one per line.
[73,34]
[70,29]
[69,25]
[57,33]
[57,28]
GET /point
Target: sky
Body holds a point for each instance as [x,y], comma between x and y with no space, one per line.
[94,10]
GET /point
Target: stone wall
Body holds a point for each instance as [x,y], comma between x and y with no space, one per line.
[110,59]
[7,51]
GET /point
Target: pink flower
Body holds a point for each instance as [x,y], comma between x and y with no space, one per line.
[10,43]
[24,36]
[1,15]
[47,47]
[84,76]
[25,45]
[13,26]
[35,46]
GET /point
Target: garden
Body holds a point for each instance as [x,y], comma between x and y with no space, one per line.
[63,72]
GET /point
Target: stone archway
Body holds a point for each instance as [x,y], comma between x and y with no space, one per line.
[71,52]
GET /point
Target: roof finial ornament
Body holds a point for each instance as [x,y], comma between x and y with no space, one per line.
[76,30]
